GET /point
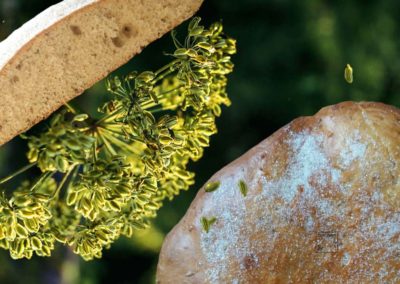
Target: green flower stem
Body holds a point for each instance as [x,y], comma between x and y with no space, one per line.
[73,177]
[113,131]
[64,179]
[161,95]
[21,170]
[166,71]
[109,147]
[95,145]
[124,146]
[42,177]
[155,110]
[109,131]
[163,75]
[166,67]
[108,117]
[71,109]
[161,98]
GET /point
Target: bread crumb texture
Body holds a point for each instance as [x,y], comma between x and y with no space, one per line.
[72,45]
[323,206]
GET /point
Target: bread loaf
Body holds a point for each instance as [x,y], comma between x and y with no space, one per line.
[322,206]
[70,46]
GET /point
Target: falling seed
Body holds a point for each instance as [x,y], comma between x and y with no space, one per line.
[243,187]
[348,74]
[212,186]
[206,223]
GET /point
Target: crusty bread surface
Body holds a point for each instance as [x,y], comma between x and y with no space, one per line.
[72,45]
[323,206]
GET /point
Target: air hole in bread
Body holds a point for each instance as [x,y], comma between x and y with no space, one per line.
[15,79]
[128,31]
[117,41]
[76,30]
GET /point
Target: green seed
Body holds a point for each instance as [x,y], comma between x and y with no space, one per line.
[46,251]
[36,243]
[124,189]
[196,31]
[243,187]
[22,201]
[152,206]
[206,223]
[180,53]
[62,164]
[194,23]
[348,74]
[72,144]
[212,186]
[33,155]
[165,140]
[206,46]
[21,231]
[26,213]
[20,248]
[191,52]
[61,239]
[80,117]
[138,225]
[31,225]
[145,76]
[185,175]
[115,206]
[102,236]
[203,141]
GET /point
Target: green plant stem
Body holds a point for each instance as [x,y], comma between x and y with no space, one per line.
[106,143]
[160,97]
[95,148]
[21,170]
[172,63]
[42,177]
[165,71]
[108,117]
[110,130]
[71,108]
[74,174]
[61,184]
[163,75]
[155,110]
[120,143]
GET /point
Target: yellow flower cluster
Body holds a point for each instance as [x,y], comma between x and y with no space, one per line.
[118,169]
[25,221]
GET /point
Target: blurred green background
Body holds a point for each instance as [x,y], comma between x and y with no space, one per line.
[290,62]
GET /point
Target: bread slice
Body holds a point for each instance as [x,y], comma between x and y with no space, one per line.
[67,48]
[322,206]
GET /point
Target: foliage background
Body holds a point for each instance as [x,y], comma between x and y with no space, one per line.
[290,62]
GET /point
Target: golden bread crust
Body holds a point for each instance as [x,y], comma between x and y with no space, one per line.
[322,207]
